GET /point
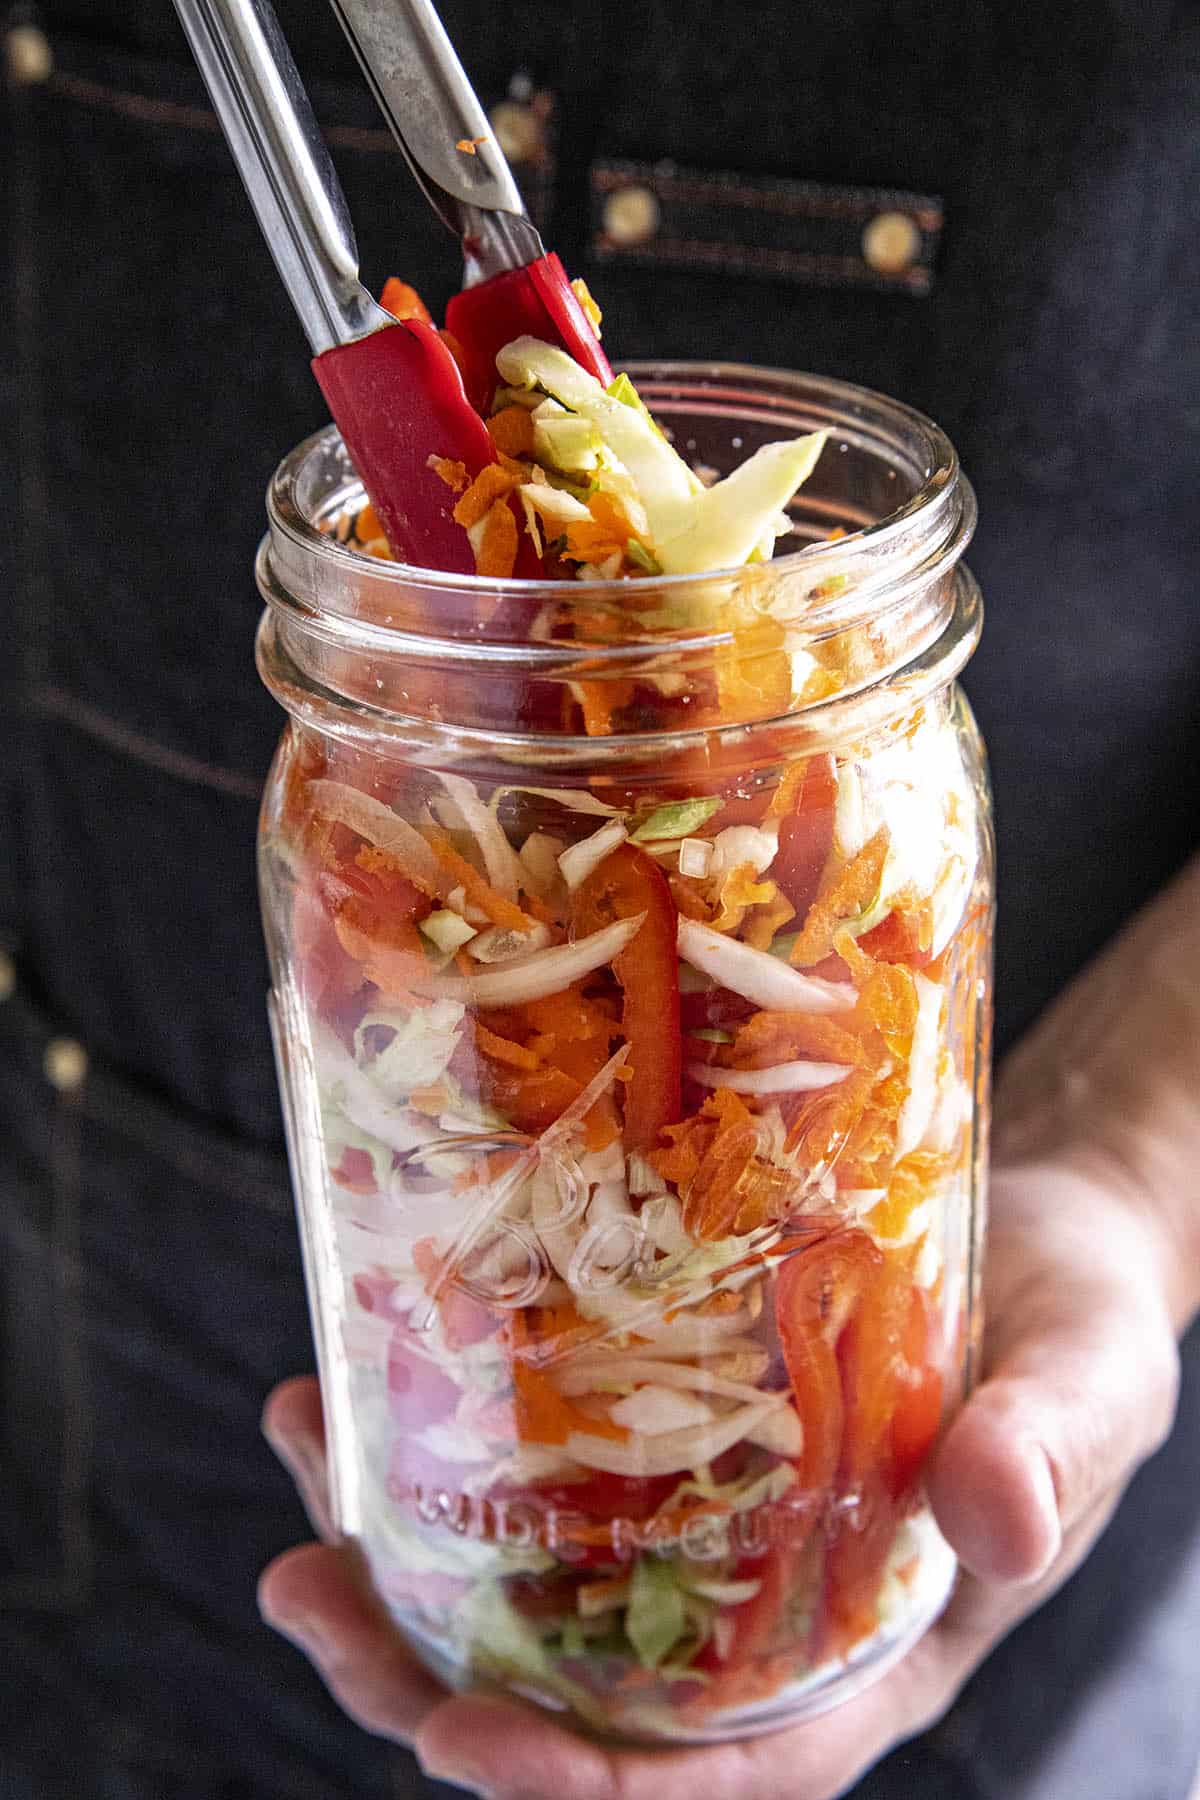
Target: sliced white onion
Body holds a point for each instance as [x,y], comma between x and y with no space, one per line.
[538,857]
[654,1409]
[555,503]
[783,1078]
[668,1452]
[694,1334]
[502,945]
[695,857]
[919,1102]
[546,972]
[781,1432]
[582,1373]
[577,862]
[725,1593]
[499,858]
[372,820]
[578,800]
[643,1177]
[771,984]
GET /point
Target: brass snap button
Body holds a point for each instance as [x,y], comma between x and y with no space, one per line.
[631,215]
[8,977]
[891,243]
[65,1064]
[28,57]
[517,129]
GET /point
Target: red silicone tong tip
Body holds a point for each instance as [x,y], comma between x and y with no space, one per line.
[398,398]
[536,301]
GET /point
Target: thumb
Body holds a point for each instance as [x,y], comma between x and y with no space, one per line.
[1081,1374]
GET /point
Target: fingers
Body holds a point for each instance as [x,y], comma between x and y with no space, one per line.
[1080,1389]
[313,1596]
[508,1752]
[293,1425]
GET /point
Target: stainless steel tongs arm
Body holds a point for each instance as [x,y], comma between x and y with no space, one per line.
[424,94]
[277,145]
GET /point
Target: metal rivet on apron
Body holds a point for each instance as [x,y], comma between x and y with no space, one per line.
[517,129]
[28,58]
[891,243]
[631,215]
[8,977]
[65,1064]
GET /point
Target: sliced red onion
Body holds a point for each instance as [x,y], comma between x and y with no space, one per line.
[578,861]
[782,1078]
[757,976]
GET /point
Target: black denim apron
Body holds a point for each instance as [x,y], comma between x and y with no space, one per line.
[1039,306]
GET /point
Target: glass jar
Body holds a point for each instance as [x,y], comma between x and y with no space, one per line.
[631,959]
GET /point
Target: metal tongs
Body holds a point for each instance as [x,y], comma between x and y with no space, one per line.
[393,387]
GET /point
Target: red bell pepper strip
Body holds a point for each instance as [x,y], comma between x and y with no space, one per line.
[626,883]
[817,1292]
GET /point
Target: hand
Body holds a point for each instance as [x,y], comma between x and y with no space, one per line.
[1080,1373]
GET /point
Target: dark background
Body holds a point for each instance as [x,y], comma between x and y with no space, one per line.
[152,376]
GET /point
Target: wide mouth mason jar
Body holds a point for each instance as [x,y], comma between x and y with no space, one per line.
[631,961]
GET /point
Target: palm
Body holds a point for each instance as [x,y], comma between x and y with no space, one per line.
[1079,1367]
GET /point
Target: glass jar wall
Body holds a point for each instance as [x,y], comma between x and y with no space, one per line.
[631,952]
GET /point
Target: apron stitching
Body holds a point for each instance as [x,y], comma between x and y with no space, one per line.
[69,1588]
[53,700]
[148,111]
[195,1166]
[757,256]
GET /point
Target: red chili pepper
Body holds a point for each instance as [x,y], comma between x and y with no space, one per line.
[626,883]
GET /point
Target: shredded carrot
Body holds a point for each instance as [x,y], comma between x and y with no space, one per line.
[583,294]
[488,486]
[469,146]
[791,784]
[389,949]
[496,556]
[765,921]
[502,1049]
[403,302]
[512,431]
[851,892]
[453,473]
[713,1162]
[776,1037]
[543,1415]
[479,892]
[740,891]
[367,525]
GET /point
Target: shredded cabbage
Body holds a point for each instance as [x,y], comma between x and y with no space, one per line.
[677,820]
[419,1051]
[656,1617]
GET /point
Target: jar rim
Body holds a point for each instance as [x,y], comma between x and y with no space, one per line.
[932,506]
